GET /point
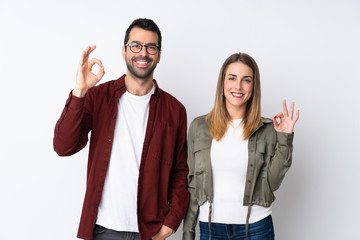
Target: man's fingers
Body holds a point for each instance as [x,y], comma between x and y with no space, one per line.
[97,61]
[85,55]
[101,72]
[87,51]
[90,49]
[82,59]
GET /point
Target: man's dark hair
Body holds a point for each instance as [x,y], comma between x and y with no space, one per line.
[146,24]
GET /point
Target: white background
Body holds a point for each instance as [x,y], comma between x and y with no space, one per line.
[308,52]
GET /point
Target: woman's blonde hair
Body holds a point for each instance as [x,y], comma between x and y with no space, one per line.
[219,117]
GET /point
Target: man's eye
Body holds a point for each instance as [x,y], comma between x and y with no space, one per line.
[135,45]
[152,48]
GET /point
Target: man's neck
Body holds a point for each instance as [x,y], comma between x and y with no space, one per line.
[138,86]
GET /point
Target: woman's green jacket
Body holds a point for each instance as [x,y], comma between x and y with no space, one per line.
[270,155]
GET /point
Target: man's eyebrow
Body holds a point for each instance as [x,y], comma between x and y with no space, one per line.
[136,42]
[152,44]
[149,44]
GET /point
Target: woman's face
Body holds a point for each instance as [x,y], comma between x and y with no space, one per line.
[238,86]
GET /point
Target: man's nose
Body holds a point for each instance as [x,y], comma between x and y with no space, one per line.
[143,51]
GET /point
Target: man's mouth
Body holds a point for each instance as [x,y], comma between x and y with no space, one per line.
[142,62]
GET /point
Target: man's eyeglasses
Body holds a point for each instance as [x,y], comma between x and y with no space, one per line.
[136,48]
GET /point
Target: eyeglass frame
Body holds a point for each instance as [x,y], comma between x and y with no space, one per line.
[143,46]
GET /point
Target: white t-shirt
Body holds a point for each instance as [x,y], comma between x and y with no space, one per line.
[117,210]
[229,161]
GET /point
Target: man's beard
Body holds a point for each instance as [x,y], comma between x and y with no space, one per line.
[142,74]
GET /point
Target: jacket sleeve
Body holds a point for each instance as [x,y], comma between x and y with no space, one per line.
[71,130]
[193,209]
[178,193]
[281,160]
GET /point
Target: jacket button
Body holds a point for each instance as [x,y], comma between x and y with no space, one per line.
[106,162]
[251,165]
[249,181]
[252,150]
[109,139]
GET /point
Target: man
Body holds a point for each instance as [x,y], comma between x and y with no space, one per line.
[137,166]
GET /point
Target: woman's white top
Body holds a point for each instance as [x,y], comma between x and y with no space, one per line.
[229,161]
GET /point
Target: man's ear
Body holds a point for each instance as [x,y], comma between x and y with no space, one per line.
[159,57]
[123,52]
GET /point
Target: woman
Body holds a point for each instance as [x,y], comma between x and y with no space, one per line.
[237,159]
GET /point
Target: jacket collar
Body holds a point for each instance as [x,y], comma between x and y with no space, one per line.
[262,122]
[265,120]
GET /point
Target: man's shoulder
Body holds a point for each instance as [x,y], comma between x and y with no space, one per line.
[108,87]
[170,99]
[111,84]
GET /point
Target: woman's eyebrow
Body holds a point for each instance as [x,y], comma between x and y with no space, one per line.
[232,75]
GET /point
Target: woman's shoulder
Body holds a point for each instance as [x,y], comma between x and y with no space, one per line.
[199,133]
[199,123]
[266,125]
[265,120]
[200,119]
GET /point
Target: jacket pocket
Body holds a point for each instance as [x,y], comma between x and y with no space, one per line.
[263,194]
[163,143]
[260,154]
[202,158]
[261,147]
[202,155]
